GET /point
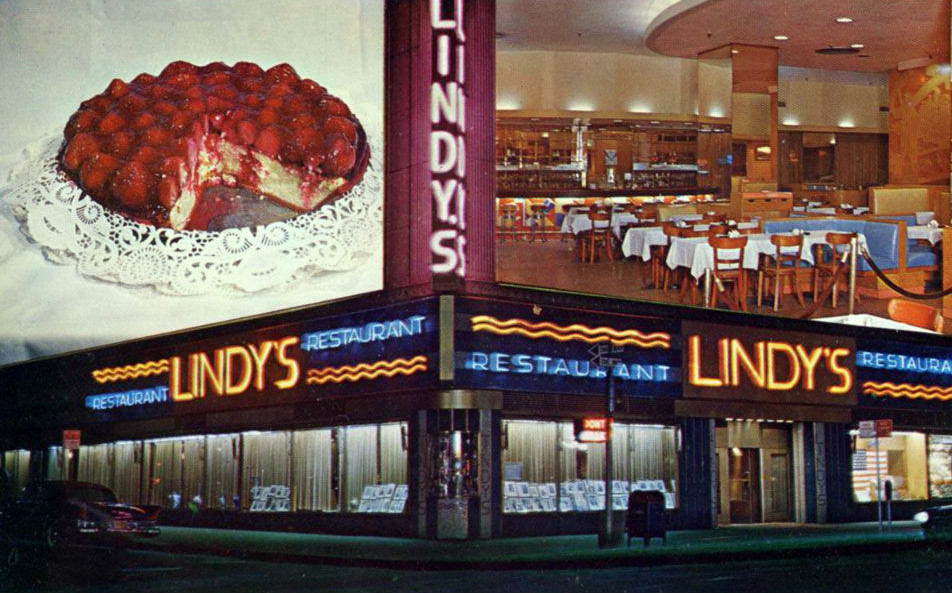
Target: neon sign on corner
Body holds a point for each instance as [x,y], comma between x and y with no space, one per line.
[448,141]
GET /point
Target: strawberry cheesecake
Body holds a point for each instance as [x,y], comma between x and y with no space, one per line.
[148,148]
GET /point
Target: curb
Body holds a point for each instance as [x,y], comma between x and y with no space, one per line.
[607,561]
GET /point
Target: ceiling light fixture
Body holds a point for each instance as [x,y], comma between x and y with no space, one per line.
[857,45]
[781,37]
[844,19]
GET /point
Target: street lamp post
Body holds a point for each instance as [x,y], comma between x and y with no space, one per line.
[609,537]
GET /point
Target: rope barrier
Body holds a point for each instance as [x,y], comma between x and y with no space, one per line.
[912,295]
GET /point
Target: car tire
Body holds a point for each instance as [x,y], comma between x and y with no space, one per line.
[52,535]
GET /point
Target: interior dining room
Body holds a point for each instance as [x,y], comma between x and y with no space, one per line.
[759,157]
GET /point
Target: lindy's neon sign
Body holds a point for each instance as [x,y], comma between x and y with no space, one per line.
[234,369]
[758,365]
[502,362]
[448,141]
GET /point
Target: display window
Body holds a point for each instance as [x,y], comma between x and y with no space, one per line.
[940,465]
[357,469]
[899,459]
[17,465]
[545,469]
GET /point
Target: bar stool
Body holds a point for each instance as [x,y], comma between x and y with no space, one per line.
[728,270]
[538,217]
[837,246]
[785,262]
[508,217]
[597,237]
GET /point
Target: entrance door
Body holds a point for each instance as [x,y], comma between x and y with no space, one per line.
[777,487]
[744,485]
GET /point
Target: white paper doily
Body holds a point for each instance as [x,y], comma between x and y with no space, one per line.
[71,228]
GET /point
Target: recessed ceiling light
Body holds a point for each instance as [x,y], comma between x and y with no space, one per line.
[780,37]
[844,19]
[735,51]
[857,45]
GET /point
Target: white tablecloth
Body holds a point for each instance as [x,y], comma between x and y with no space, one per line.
[639,241]
[581,223]
[931,234]
[696,253]
[867,320]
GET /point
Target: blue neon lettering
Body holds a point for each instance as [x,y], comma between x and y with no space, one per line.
[901,362]
[479,361]
[127,399]
[376,331]
[502,362]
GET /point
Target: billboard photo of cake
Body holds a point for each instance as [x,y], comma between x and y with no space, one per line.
[196,178]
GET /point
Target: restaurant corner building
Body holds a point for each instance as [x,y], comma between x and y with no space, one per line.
[451,406]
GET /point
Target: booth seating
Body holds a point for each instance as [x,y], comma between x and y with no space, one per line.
[665,212]
[885,241]
[918,254]
[899,200]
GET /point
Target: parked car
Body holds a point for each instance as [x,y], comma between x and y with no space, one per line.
[55,514]
[936,521]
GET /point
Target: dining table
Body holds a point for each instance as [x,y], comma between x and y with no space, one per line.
[638,241]
[925,232]
[580,222]
[696,254]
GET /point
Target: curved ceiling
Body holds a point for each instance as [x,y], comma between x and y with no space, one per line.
[892,33]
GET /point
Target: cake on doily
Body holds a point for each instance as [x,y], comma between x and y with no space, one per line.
[149,148]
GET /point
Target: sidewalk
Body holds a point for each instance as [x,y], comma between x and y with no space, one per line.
[581,551]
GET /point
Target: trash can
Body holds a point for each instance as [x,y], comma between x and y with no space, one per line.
[647,517]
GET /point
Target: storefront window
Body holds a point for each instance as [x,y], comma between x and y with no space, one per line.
[17,465]
[312,470]
[266,468]
[375,468]
[546,469]
[221,471]
[940,466]
[900,459]
[55,466]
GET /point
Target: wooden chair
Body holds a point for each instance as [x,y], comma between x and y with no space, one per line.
[784,263]
[508,219]
[718,229]
[597,237]
[659,257]
[728,270]
[917,314]
[713,218]
[838,244]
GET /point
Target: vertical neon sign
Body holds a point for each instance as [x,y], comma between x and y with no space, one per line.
[448,140]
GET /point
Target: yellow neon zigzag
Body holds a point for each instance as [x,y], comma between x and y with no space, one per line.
[907,390]
[353,373]
[576,331]
[131,371]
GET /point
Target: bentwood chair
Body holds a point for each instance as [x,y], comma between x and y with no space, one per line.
[826,259]
[598,237]
[785,262]
[728,269]
[917,314]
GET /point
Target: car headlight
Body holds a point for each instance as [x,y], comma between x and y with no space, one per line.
[921,517]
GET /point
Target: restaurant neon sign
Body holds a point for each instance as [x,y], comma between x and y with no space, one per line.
[448,141]
[759,365]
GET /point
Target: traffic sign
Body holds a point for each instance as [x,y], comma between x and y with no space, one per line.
[71,439]
[884,427]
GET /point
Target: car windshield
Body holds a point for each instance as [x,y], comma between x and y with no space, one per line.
[90,494]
